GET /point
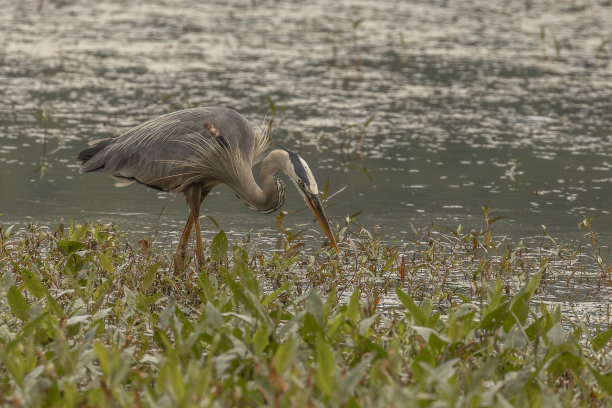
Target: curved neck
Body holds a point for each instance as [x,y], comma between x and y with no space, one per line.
[271,195]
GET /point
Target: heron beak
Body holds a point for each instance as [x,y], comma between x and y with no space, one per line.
[314,202]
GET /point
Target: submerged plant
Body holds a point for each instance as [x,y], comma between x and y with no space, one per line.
[183,102]
[553,38]
[43,166]
[351,147]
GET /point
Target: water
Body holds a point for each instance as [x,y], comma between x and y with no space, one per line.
[472,103]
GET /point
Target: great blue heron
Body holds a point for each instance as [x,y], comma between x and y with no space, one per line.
[193,150]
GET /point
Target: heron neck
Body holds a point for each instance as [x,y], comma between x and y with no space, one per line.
[271,195]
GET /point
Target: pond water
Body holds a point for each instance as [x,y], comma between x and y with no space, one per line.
[426,112]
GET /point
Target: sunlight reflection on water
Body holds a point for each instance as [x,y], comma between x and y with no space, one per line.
[469,106]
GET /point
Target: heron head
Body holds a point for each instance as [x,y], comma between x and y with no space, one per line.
[299,172]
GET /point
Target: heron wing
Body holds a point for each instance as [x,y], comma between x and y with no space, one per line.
[207,145]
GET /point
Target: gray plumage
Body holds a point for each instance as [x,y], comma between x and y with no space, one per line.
[193,150]
[175,150]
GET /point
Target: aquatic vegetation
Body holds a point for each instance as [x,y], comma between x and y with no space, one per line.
[47,132]
[543,41]
[43,166]
[273,110]
[183,102]
[89,319]
[402,54]
[345,43]
[600,52]
[351,146]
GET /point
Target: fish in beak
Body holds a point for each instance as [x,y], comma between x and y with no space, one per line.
[314,202]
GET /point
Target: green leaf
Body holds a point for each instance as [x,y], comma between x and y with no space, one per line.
[366,172]
[213,317]
[145,302]
[67,247]
[495,318]
[354,376]
[516,338]
[336,324]
[261,338]
[604,380]
[285,286]
[210,294]
[565,361]
[534,283]
[418,316]
[354,310]
[271,105]
[178,384]
[6,281]
[241,269]
[32,283]
[283,355]
[213,221]
[495,219]
[248,299]
[325,189]
[314,306]
[602,339]
[310,328]
[556,335]
[326,368]
[107,264]
[444,371]
[170,379]
[494,291]
[460,322]
[18,303]
[218,250]
[103,358]
[54,306]
[364,325]
[330,302]
[519,310]
[482,374]
[519,305]
[149,277]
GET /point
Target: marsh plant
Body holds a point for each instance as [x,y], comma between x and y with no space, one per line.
[349,144]
[43,166]
[178,102]
[447,317]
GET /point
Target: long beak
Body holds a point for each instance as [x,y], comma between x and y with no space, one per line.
[314,202]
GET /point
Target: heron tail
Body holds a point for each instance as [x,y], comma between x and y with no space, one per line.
[95,147]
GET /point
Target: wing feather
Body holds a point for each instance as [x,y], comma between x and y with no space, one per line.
[175,150]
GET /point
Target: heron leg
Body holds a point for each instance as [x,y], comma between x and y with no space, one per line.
[195,195]
[199,248]
[181,249]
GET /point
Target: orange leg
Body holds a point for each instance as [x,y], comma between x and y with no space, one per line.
[181,249]
[199,248]
[195,194]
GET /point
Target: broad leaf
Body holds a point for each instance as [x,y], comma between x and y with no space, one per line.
[418,316]
[32,283]
[602,339]
[67,247]
[218,250]
[283,355]
[18,303]
[326,368]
